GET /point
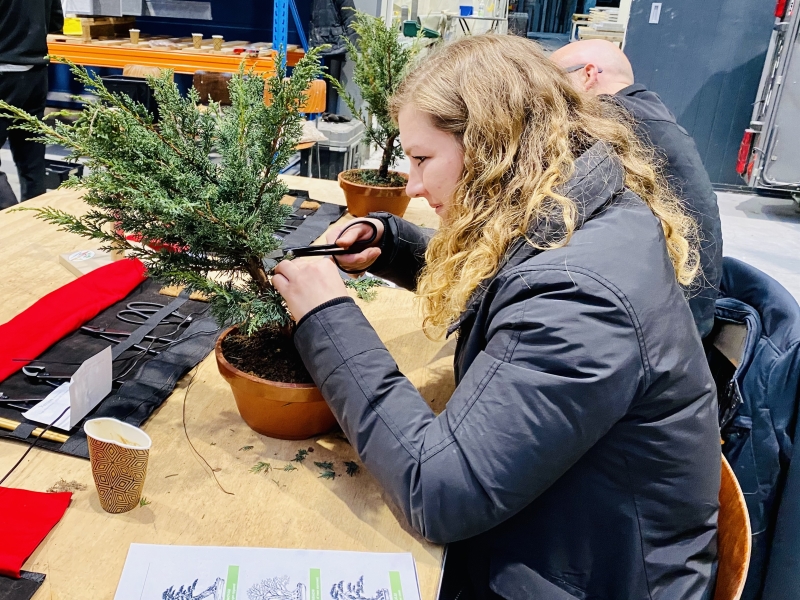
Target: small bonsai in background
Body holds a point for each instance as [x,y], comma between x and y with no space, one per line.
[205,224]
[380,61]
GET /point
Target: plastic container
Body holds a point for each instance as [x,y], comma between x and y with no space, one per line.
[465,10]
[338,153]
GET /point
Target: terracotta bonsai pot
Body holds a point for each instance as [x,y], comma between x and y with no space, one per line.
[363,199]
[287,411]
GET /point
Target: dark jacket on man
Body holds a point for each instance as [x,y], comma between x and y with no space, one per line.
[689,180]
[579,454]
[330,20]
[24,25]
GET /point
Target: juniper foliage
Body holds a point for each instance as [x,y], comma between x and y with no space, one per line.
[380,62]
[205,224]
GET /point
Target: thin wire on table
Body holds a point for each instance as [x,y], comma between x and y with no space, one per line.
[30,447]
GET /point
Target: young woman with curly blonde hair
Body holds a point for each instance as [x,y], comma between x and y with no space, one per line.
[579,454]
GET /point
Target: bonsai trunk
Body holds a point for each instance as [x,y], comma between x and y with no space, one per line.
[257,272]
[388,150]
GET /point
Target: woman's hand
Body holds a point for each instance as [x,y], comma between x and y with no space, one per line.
[348,234]
[307,283]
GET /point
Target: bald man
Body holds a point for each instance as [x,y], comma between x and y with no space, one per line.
[600,68]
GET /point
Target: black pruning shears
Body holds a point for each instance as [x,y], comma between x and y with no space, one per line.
[331,250]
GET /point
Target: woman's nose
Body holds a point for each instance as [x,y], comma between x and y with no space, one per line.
[414,186]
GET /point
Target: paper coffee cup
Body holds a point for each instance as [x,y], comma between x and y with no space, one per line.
[218,39]
[197,39]
[118,453]
[134,35]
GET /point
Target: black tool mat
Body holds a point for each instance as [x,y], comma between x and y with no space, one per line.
[20,589]
[305,225]
[142,380]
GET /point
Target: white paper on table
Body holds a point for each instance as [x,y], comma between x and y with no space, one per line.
[153,571]
[54,404]
[88,386]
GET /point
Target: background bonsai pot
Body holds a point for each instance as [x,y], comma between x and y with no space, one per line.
[363,199]
[287,411]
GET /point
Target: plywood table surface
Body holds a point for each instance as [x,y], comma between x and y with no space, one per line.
[84,554]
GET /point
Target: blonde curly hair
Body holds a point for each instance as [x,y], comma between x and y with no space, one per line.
[521,125]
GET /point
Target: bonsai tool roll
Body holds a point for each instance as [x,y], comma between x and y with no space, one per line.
[23,588]
[144,379]
[60,312]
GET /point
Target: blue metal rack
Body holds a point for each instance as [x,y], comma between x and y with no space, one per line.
[280,25]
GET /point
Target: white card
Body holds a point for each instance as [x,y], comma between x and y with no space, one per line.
[88,386]
[655,12]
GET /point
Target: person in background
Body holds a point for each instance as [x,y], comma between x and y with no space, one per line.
[599,67]
[579,455]
[330,20]
[24,25]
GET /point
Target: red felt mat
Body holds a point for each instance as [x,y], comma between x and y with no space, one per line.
[25,519]
[61,312]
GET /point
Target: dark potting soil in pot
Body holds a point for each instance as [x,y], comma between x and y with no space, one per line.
[370,177]
[268,354]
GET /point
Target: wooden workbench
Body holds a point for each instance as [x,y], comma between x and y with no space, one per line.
[84,554]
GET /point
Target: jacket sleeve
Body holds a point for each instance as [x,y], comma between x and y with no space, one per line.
[55,23]
[561,365]
[402,251]
[347,13]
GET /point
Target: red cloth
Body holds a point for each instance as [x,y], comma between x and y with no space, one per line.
[25,519]
[61,312]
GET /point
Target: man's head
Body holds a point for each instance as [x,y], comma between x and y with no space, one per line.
[595,66]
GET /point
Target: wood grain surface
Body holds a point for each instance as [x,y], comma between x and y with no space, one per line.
[84,554]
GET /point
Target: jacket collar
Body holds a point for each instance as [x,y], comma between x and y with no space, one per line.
[631,90]
[598,177]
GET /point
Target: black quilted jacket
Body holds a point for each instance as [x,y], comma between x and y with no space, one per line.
[579,455]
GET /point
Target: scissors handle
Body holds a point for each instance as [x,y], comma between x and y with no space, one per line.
[333,249]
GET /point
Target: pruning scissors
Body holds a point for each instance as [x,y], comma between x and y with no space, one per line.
[331,250]
[39,373]
[23,404]
[138,312]
[112,335]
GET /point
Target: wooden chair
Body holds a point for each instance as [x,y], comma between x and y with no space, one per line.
[316,98]
[315,104]
[733,537]
[141,71]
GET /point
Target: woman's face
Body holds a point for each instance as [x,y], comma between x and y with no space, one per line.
[437,159]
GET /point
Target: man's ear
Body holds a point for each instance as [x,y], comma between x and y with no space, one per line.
[589,75]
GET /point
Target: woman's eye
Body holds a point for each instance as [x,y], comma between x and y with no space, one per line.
[420,159]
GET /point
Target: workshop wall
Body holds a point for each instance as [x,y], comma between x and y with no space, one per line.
[704,58]
[233,19]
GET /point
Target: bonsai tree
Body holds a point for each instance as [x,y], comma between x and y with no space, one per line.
[205,224]
[380,62]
